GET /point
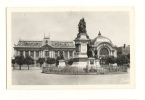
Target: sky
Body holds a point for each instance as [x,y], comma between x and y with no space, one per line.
[63,26]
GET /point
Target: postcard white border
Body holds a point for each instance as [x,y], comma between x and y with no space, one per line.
[61,9]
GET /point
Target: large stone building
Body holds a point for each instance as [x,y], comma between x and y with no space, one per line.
[104,46]
[50,48]
[44,48]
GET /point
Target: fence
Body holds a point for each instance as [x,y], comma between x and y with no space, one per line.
[77,70]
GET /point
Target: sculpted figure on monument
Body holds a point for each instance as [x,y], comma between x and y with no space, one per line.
[91,52]
[61,54]
[82,26]
[96,54]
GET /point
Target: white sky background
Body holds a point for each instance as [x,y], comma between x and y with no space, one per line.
[64,25]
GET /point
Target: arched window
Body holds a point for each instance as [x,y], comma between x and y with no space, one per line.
[104,51]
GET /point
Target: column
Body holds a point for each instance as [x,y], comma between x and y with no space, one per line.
[73,54]
[39,54]
[24,54]
[58,54]
[15,51]
[34,54]
[43,53]
[68,54]
[19,53]
[54,54]
[29,53]
[110,52]
[79,47]
[49,53]
[35,64]
[113,53]
[63,54]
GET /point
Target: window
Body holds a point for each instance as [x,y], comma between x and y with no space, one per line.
[104,51]
[56,53]
[21,53]
[26,53]
[37,53]
[32,54]
[70,54]
[46,53]
[66,54]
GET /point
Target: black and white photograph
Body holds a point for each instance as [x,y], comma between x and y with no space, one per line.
[80,47]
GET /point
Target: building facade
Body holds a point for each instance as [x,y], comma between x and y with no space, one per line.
[104,46]
[123,50]
[48,48]
[45,48]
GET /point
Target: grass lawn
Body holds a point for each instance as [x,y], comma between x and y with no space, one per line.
[35,77]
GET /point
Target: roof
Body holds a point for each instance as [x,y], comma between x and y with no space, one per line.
[63,44]
[99,39]
[29,43]
[55,44]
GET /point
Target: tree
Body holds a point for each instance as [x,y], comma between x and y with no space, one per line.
[40,61]
[20,61]
[123,59]
[50,61]
[13,62]
[119,60]
[70,61]
[128,56]
[111,59]
[28,60]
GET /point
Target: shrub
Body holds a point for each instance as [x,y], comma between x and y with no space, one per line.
[111,59]
[50,61]
[123,59]
[70,61]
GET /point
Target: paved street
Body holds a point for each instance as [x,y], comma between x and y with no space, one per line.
[35,77]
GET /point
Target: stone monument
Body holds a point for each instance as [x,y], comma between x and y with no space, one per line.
[97,60]
[91,60]
[81,42]
[61,61]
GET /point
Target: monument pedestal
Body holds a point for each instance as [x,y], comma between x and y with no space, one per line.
[97,62]
[61,64]
[91,63]
[80,60]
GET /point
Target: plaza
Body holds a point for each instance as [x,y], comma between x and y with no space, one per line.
[35,77]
